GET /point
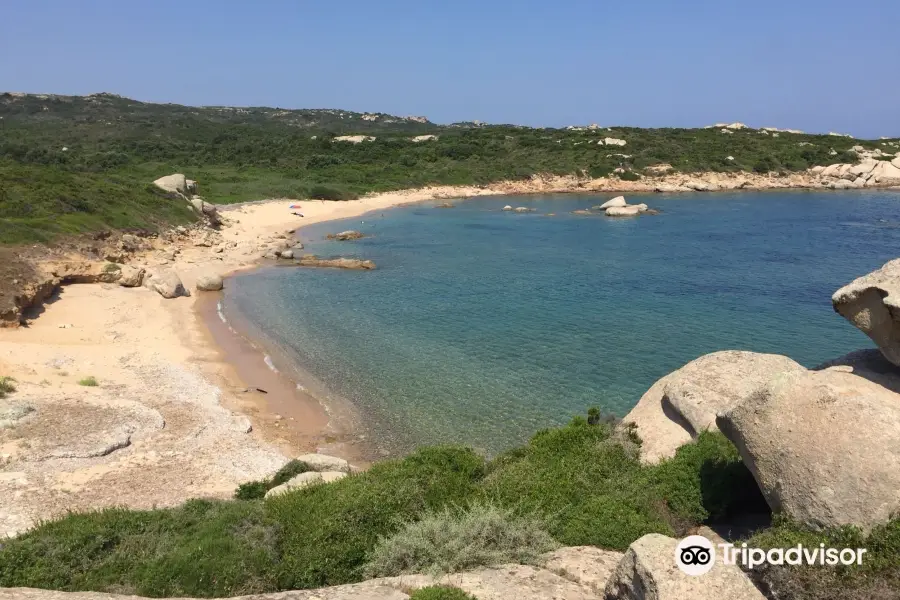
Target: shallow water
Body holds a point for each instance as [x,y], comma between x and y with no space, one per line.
[480,326]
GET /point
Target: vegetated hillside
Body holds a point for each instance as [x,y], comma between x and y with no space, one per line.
[240,154]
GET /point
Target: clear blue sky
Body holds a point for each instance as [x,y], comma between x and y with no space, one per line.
[818,66]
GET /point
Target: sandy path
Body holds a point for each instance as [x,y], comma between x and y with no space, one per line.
[169,419]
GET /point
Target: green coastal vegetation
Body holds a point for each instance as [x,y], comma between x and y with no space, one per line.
[438,509]
[73,164]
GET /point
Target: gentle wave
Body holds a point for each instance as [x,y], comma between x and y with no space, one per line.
[270,364]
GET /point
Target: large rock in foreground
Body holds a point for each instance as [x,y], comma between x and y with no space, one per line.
[872,303]
[684,403]
[648,572]
[824,447]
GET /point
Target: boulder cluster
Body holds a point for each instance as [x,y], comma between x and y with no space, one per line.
[187,189]
[875,169]
[823,444]
[618,207]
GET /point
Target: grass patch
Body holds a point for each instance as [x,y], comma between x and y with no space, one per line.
[877,578]
[7,386]
[440,592]
[202,548]
[89,381]
[456,539]
[255,490]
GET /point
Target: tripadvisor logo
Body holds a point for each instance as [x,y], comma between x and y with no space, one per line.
[696,555]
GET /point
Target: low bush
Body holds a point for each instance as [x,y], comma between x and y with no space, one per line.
[89,381]
[7,386]
[324,192]
[707,481]
[877,578]
[328,531]
[629,176]
[202,548]
[456,539]
[440,592]
[590,488]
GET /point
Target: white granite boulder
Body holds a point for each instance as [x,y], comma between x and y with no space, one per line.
[685,402]
[824,447]
[176,183]
[872,303]
[168,285]
[618,201]
[210,282]
[131,276]
[648,571]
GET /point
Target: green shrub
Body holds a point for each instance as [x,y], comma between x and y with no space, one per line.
[202,548]
[252,490]
[440,592]
[89,381]
[877,578]
[707,480]
[455,539]
[255,490]
[7,386]
[588,485]
[629,176]
[324,192]
[328,531]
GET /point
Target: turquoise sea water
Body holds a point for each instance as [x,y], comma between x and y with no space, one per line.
[480,326]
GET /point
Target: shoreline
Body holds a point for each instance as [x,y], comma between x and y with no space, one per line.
[173,421]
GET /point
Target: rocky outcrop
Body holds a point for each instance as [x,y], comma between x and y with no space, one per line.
[584,564]
[618,201]
[623,211]
[874,169]
[187,189]
[168,285]
[176,183]
[311,260]
[872,303]
[869,364]
[823,446]
[209,282]
[648,572]
[207,210]
[323,462]
[304,480]
[131,276]
[345,236]
[523,209]
[684,403]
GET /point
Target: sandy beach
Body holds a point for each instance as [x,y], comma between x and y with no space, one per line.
[170,417]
